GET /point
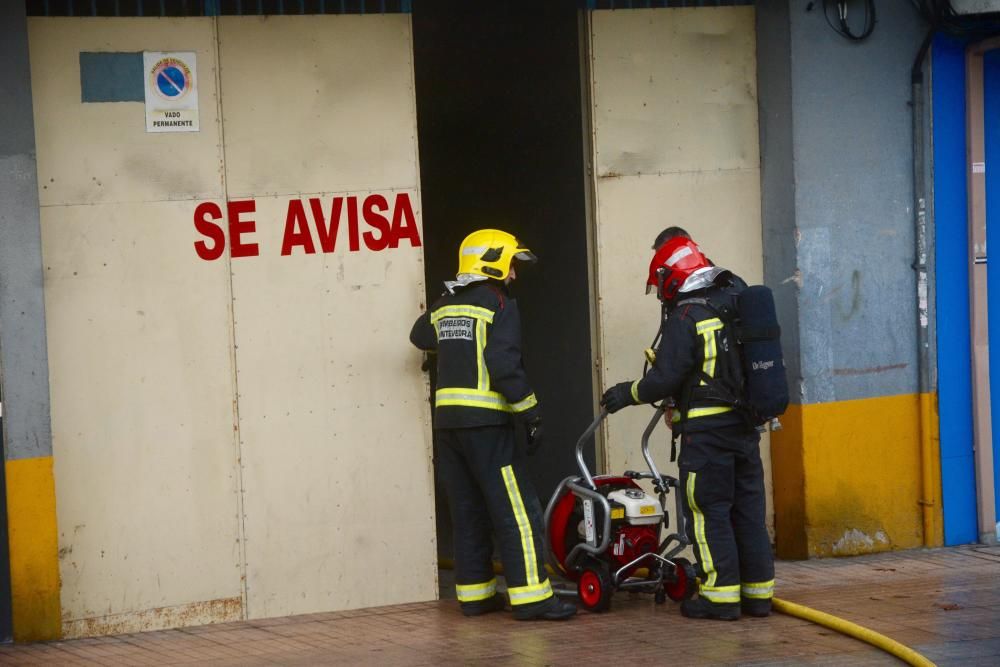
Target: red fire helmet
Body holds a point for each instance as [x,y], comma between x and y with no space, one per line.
[673,264]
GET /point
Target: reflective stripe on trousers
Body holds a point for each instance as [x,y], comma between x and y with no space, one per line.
[763,590]
[720,594]
[701,541]
[476,592]
[523,525]
[725,508]
[493,508]
[536,589]
[528,594]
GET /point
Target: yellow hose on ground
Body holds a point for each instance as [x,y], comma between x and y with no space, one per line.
[890,646]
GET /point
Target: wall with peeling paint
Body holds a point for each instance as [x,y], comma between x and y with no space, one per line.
[853,179]
[22,315]
[837,201]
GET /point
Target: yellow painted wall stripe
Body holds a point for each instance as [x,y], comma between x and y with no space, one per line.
[827,501]
[34,549]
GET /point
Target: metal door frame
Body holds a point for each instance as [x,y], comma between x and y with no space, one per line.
[978,290]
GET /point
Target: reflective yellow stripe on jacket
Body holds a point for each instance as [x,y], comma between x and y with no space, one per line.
[479,396]
[525,403]
[475,312]
[471,398]
[706,329]
[694,413]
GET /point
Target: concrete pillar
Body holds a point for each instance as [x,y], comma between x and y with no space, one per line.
[837,193]
[24,373]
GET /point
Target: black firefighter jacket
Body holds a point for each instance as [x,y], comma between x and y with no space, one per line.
[695,337]
[476,333]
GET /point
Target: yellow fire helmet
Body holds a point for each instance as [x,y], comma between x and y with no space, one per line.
[489,252]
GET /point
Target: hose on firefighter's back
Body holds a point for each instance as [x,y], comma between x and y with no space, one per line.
[843,626]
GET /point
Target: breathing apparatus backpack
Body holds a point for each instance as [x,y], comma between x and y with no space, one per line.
[754,324]
[759,338]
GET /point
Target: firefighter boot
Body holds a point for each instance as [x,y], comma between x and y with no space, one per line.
[552,609]
[754,607]
[702,608]
[487,606]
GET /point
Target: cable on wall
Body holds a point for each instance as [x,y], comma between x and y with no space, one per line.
[840,24]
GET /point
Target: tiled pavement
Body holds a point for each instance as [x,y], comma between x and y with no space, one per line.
[944,603]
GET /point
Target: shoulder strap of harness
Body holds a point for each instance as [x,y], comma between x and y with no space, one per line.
[727,315]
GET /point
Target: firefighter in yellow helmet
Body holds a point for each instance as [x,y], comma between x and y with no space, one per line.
[475,328]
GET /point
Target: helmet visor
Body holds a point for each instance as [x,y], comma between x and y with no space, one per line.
[525,255]
[701,279]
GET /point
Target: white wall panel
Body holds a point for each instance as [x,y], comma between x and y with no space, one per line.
[675,143]
[139,343]
[334,424]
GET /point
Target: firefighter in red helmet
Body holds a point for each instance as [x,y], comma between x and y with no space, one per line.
[697,367]
[475,330]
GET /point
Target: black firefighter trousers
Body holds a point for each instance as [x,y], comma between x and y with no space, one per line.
[723,484]
[490,494]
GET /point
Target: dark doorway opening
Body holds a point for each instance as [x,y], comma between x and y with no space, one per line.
[500,129]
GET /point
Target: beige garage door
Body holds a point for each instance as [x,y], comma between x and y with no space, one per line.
[674,117]
[247,436]
[334,430]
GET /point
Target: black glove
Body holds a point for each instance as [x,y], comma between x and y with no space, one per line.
[618,397]
[430,360]
[536,436]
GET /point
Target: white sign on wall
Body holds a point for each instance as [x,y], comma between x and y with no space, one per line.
[171,91]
